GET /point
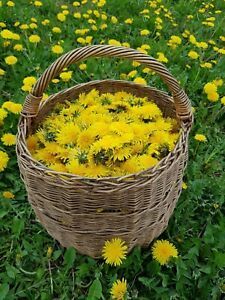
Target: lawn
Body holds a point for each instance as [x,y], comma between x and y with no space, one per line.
[188,37]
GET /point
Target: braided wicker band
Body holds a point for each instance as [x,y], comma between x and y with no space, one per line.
[85,212]
[182,103]
[31,106]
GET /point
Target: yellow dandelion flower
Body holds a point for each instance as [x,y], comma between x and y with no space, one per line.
[56,30]
[34,25]
[223,100]
[74,167]
[132,74]
[87,118]
[32,143]
[10,3]
[108,142]
[135,64]
[2,24]
[144,32]
[163,251]
[173,139]
[119,289]
[68,134]
[2,72]
[95,171]
[77,15]
[82,67]
[9,35]
[30,80]
[49,252]
[3,114]
[88,39]
[114,20]
[34,38]
[120,127]
[8,195]
[58,167]
[76,3]
[52,147]
[164,124]
[12,107]
[61,17]
[4,158]
[146,70]
[140,80]
[128,21]
[142,50]
[200,137]
[125,138]
[210,87]
[131,165]
[184,185]
[160,137]
[64,153]
[213,97]
[38,3]
[114,42]
[44,156]
[161,57]
[8,139]
[218,82]
[121,153]
[85,139]
[206,65]
[55,80]
[114,251]
[26,88]
[147,161]
[81,40]
[6,43]
[18,47]
[137,148]
[153,149]
[145,47]
[151,110]
[66,76]
[126,45]
[139,131]
[24,26]
[11,60]
[174,39]
[65,11]
[57,49]
[41,135]
[193,54]
[99,129]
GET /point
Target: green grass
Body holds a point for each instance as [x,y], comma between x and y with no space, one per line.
[197,226]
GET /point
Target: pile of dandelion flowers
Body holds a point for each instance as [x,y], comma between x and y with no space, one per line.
[106,135]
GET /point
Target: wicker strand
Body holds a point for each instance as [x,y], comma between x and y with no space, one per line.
[31,105]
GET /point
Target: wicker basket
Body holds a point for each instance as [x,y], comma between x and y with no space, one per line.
[84,212]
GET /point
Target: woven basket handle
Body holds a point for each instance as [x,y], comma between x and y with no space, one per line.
[181,100]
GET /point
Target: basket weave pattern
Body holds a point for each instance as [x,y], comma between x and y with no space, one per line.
[84,212]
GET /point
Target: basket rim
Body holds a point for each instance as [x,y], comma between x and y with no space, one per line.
[184,128]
